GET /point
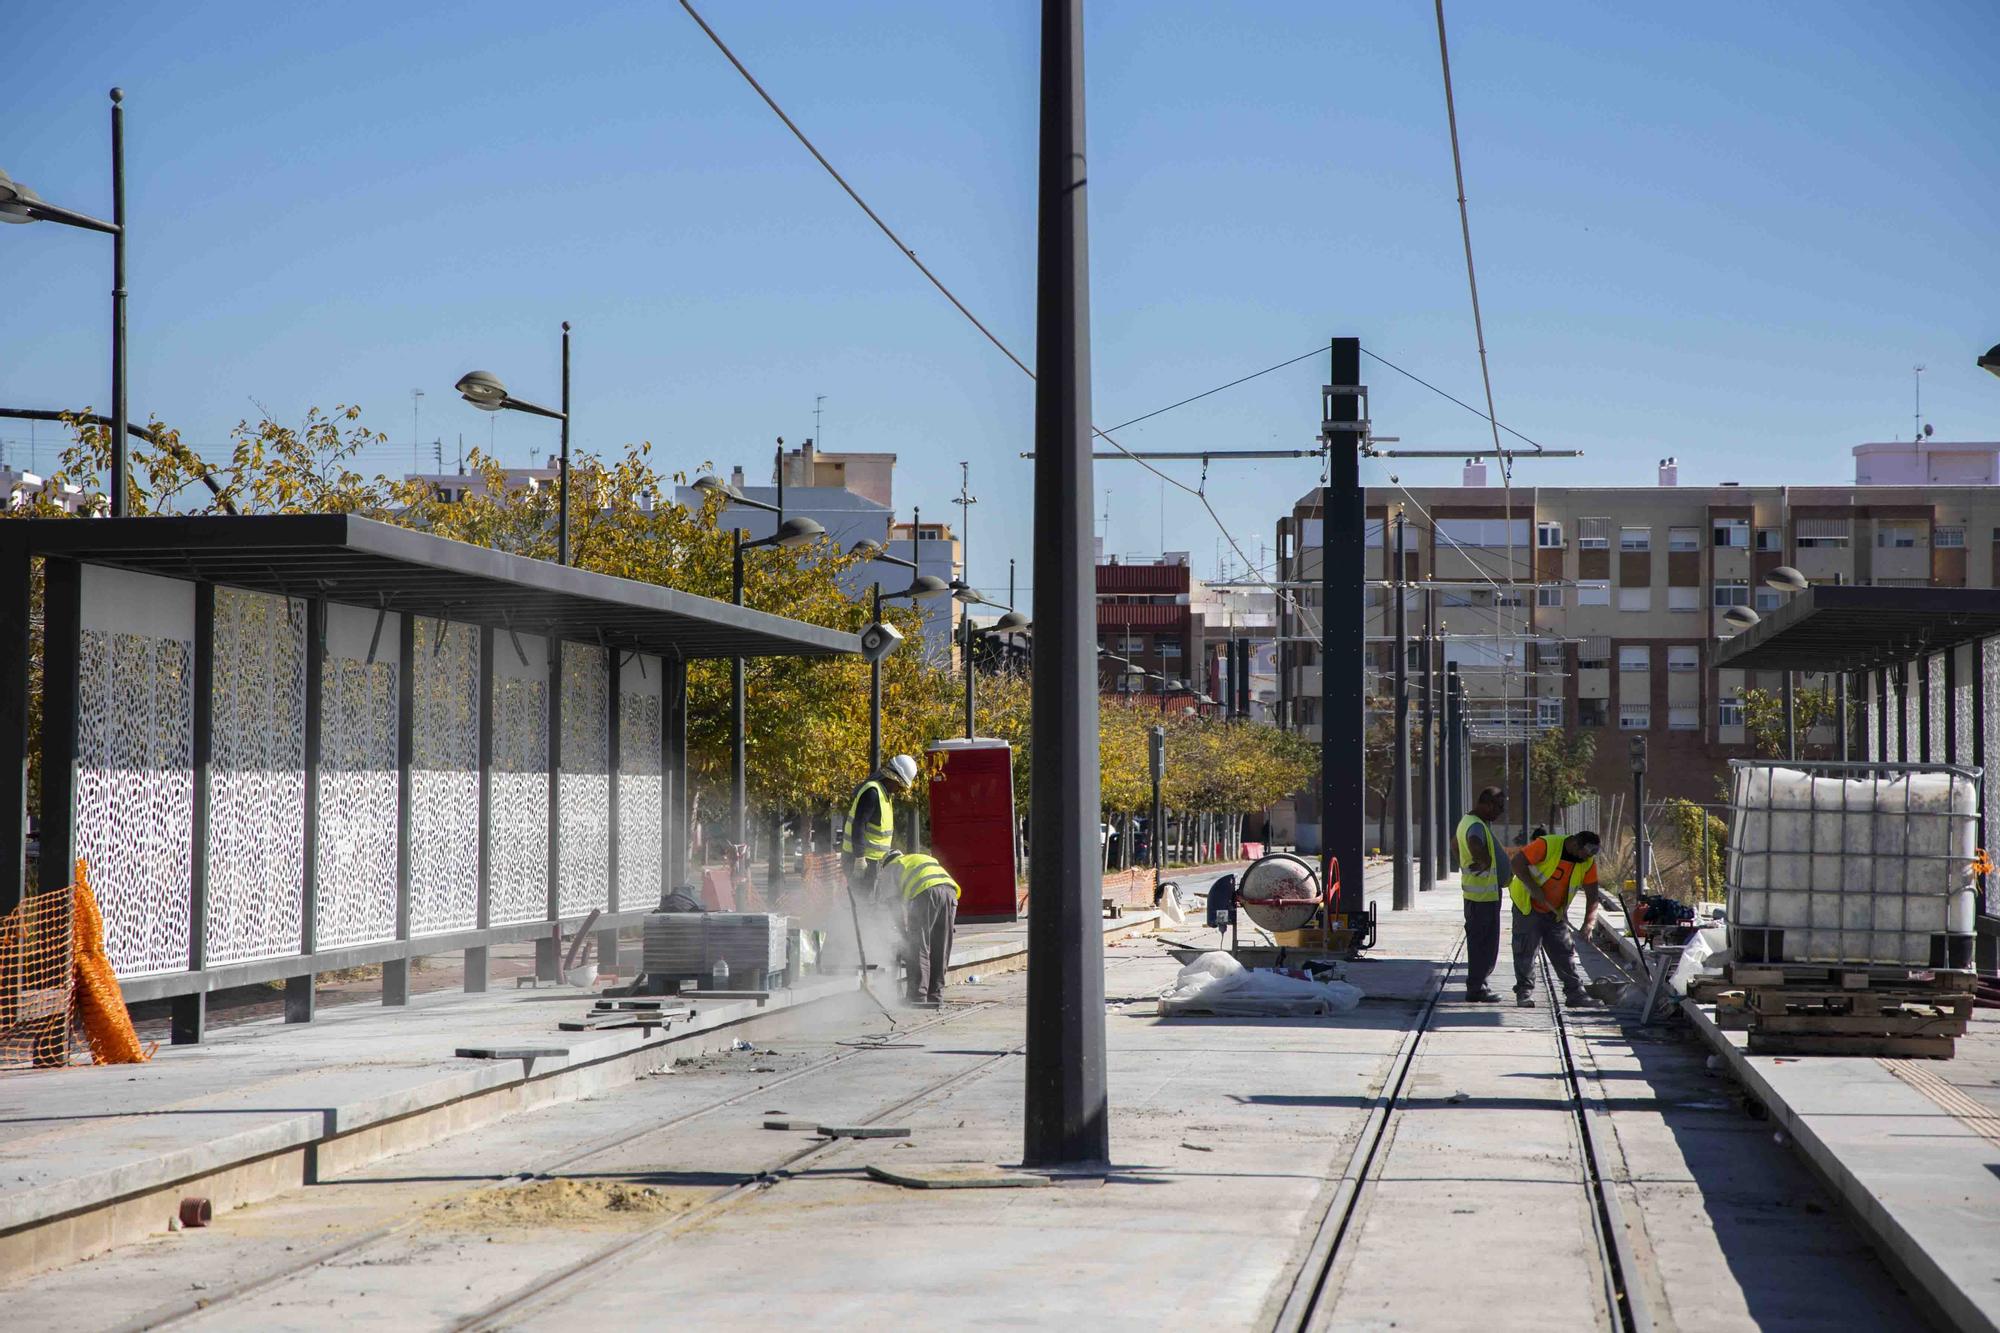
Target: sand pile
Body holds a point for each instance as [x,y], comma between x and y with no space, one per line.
[557,1202]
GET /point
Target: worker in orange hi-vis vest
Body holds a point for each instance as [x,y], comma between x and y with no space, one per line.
[1546,872]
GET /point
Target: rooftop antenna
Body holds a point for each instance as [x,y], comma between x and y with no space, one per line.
[819,438]
[966,499]
[1917,375]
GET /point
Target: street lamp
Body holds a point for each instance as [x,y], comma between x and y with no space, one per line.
[1991,361]
[790,533]
[484,390]
[923,588]
[19,204]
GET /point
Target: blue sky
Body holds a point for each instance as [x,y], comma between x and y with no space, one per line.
[1723,232]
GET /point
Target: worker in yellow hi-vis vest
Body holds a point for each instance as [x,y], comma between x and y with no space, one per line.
[871,823]
[930,911]
[1479,858]
[1546,872]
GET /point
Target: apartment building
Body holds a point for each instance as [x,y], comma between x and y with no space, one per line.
[1620,598]
[1145,616]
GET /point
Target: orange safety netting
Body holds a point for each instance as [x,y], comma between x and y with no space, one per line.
[54,975]
[107,1026]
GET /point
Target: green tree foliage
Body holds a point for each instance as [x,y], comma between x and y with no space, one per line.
[1764,720]
[1559,768]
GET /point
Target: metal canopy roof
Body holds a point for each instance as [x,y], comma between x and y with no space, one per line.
[361,562]
[1837,627]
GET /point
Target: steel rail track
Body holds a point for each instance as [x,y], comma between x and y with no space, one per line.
[1618,1264]
[181,1310]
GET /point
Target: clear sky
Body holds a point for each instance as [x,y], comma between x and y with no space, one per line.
[1720,231]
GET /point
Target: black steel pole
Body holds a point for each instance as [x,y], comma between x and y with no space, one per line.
[1639,848]
[1442,817]
[1067,1116]
[562,475]
[738,759]
[966,620]
[1454,733]
[1791,719]
[1400,868]
[121,454]
[1427,858]
[1343,643]
[875,696]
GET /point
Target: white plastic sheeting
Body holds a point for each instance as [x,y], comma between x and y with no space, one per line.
[1216,983]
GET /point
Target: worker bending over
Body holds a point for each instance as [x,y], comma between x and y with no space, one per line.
[1546,872]
[871,823]
[930,911]
[1479,886]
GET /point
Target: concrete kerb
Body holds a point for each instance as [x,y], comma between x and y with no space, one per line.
[47,1226]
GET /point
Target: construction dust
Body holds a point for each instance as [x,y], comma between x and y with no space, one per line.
[558,1202]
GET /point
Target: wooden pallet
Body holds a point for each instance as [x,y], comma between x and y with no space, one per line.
[1815,1010]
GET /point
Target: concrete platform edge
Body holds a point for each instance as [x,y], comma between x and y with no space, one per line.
[1946,1300]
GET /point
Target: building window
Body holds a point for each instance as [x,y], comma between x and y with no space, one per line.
[1729,713]
[1548,712]
[1635,599]
[1371,532]
[1683,719]
[1895,535]
[1486,532]
[1819,533]
[1634,717]
[1549,597]
[1590,713]
[1634,657]
[1949,539]
[1683,657]
[1734,532]
[1684,599]
[1549,536]
[1683,539]
[1167,647]
[1635,539]
[1593,592]
[1770,539]
[1732,592]
[1593,534]
[1593,655]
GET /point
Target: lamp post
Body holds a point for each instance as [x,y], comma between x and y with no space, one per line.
[923,588]
[1010,622]
[19,204]
[1788,580]
[1641,850]
[1991,361]
[790,532]
[484,390]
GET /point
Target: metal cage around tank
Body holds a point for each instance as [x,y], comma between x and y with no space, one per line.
[289,744]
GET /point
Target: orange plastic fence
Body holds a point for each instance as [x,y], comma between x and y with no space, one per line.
[54,978]
[107,1026]
[36,982]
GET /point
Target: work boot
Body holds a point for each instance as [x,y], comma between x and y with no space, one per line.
[1523,1000]
[1483,995]
[1577,999]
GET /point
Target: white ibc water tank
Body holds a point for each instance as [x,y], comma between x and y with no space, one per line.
[1850,864]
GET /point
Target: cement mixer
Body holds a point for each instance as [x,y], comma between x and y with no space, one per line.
[1282,896]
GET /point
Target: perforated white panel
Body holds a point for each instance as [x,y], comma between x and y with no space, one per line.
[357,779]
[1934,691]
[1871,744]
[640,808]
[256,812]
[1966,659]
[585,788]
[135,763]
[1912,722]
[518,800]
[444,781]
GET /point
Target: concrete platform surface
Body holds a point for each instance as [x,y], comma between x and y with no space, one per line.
[83,1137]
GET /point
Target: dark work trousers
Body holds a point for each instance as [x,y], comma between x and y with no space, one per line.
[1549,933]
[1482,943]
[928,920]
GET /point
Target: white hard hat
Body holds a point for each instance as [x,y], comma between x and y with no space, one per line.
[904,768]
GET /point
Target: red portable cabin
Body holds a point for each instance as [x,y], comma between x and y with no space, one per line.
[972,825]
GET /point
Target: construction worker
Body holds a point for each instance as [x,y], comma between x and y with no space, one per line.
[1479,886]
[1546,872]
[930,910]
[871,822]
